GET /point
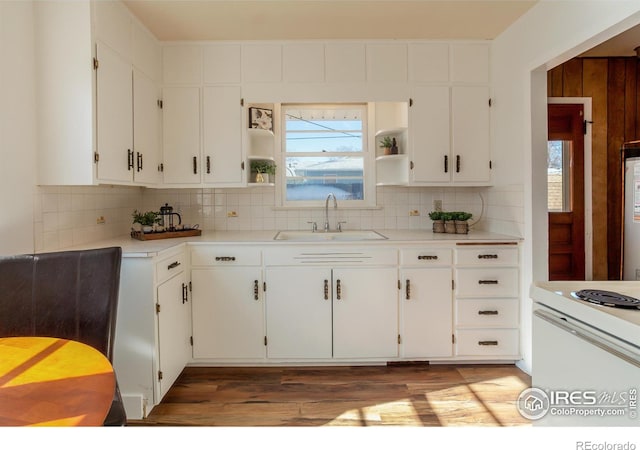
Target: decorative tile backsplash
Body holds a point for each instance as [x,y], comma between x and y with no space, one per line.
[68,216]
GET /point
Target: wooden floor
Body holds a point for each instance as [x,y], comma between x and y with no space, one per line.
[413,395]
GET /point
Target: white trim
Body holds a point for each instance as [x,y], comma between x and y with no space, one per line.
[586,102]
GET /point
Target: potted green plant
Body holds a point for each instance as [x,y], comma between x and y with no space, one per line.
[438,221]
[146,220]
[461,221]
[386,143]
[261,170]
[449,222]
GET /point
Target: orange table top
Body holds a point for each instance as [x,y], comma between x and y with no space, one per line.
[53,382]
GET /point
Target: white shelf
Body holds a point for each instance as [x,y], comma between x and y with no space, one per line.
[260,132]
[260,184]
[391,157]
[403,183]
[391,131]
[261,158]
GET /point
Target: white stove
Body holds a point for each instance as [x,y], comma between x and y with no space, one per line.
[586,353]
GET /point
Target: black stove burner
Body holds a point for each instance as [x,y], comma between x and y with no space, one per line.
[608,298]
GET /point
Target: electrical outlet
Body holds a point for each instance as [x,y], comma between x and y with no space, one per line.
[414,212]
[437,205]
[100,220]
[232,214]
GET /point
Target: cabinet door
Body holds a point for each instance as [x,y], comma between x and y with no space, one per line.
[174,331]
[426,304]
[222,116]
[470,129]
[181,135]
[365,312]
[228,315]
[430,136]
[146,129]
[298,309]
[114,116]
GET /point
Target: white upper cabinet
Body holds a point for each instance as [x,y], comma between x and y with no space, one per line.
[113,26]
[303,63]
[147,118]
[115,162]
[221,63]
[428,62]
[262,63]
[387,62]
[147,54]
[182,64]
[181,135]
[345,63]
[470,134]
[429,125]
[470,63]
[222,128]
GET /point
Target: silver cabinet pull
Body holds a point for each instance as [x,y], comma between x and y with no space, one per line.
[256,290]
[488,256]
[338,290]
[487,281]
[225,258]
[408,290]
[428,257]
[488,313]
[326,289]
[173,265]
[494,343]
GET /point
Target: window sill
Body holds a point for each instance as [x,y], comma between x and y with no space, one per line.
[340,207]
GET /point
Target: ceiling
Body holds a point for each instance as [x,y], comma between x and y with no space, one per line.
[204,20]
[623,44]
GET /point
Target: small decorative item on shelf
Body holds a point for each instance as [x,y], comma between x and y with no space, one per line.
[438,222]
[394,147]
[261,170]
[261,118]
[387,143]
[461,219]
[145,221]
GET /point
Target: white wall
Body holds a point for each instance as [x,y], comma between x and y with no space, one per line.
[17,127]
[549,34]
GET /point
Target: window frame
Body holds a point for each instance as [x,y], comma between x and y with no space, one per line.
[367,155]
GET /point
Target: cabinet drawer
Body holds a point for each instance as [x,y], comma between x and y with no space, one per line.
[170,266]
[485,256]
[484,313]
[487,342]
[330,256]
[225,256]
[425,257]
[487,282]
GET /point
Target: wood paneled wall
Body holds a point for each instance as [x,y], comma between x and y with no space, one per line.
[613,85]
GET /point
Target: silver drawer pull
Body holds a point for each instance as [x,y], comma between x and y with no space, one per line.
[487,256]
[173,265]
[487,281]
[488,313]
[488,343]
[428,257]
[225,258]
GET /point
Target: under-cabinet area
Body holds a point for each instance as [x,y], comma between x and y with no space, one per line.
[254,304]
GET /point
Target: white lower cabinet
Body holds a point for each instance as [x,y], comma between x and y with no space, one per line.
[299,311]
[228,316]
[487,301]
[153,328]
[228,306]
[323,313]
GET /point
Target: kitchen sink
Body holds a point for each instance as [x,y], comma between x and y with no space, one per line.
[312,236]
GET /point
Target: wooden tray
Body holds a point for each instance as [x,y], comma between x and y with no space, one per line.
[139,235]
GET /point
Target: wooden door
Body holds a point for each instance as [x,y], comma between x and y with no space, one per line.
[566,192]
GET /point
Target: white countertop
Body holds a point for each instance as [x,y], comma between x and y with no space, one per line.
[135,248]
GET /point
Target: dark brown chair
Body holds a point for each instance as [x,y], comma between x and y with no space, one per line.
[69,295]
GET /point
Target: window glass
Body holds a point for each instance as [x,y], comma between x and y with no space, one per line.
[558,165]
[324,152]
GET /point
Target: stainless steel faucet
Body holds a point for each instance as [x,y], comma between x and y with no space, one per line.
[326,210]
